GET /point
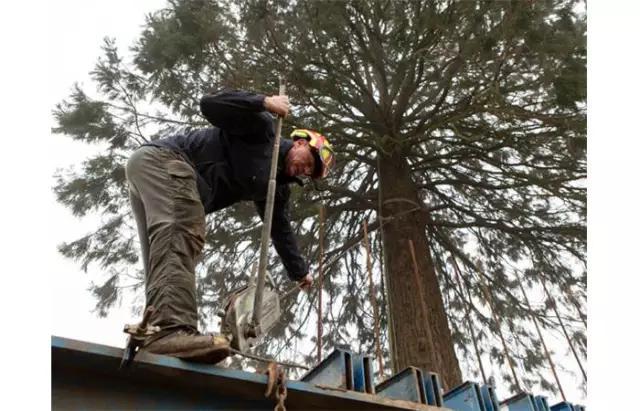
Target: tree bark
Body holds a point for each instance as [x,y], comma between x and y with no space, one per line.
[410,324]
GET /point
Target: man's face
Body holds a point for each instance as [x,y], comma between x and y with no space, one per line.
[299,161]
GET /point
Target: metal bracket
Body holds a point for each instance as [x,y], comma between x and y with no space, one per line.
[489,398]
[567,406]
[541,403]
[413,384]
[343,369]
[466,396]
[406,385]
[520,402]
[137,334]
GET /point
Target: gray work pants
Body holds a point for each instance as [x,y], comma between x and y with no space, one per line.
[170,219]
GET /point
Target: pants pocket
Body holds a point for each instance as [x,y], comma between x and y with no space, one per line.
[188,208]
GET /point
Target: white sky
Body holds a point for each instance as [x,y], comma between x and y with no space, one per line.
[51,48]
[76,40]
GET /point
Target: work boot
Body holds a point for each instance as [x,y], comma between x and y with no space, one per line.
[191,346]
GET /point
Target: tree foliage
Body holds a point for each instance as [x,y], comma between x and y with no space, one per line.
[485,101]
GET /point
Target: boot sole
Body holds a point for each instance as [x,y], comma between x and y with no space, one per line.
[207,355]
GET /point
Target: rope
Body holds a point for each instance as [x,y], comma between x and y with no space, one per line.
[434,353]
[489,299]
[564,330]
[546,351]
[374,304]
[469,325]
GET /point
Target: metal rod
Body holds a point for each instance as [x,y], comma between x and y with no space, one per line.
[544,346]
[320,282]
[393,354]
[266,227]
[564,330]
[258,358]
[374,303]
[434,354]
[468,317]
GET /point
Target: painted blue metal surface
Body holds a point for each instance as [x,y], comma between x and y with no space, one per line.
[520,402]
[343,369]
[407,385]
[87,376]
[489,398]
[563,406]
[465,397]
[432,388]
[362,373]
[335,371]
[541,403]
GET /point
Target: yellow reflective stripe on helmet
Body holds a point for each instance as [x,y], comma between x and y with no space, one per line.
[300,133]
[325,153]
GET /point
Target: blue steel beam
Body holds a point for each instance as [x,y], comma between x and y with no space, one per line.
[407,385]
[413,384]
[563,406]
[541,403]
[335,371]
[87,376]
[465,397]
[362,373]
[489,398]
[520,402]
[343,369]
[432,388]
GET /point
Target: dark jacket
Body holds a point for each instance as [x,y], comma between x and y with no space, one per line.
[233,159]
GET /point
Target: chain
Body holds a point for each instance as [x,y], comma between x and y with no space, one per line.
[276,379]
[281,392]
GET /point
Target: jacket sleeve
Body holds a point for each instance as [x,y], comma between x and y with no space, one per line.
[236,112]
[282,235]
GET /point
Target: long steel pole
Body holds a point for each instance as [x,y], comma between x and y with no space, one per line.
[320,282]
[374,303]
[266,227]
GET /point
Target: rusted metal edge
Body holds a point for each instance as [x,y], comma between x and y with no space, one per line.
[69,355]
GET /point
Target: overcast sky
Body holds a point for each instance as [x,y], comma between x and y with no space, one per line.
[59,43]
[77,35]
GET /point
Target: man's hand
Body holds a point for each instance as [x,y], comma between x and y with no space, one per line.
[305,283]
[277,105]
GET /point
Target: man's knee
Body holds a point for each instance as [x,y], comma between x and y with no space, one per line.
[133,166]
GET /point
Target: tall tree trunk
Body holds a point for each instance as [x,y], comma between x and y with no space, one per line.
[413,329]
